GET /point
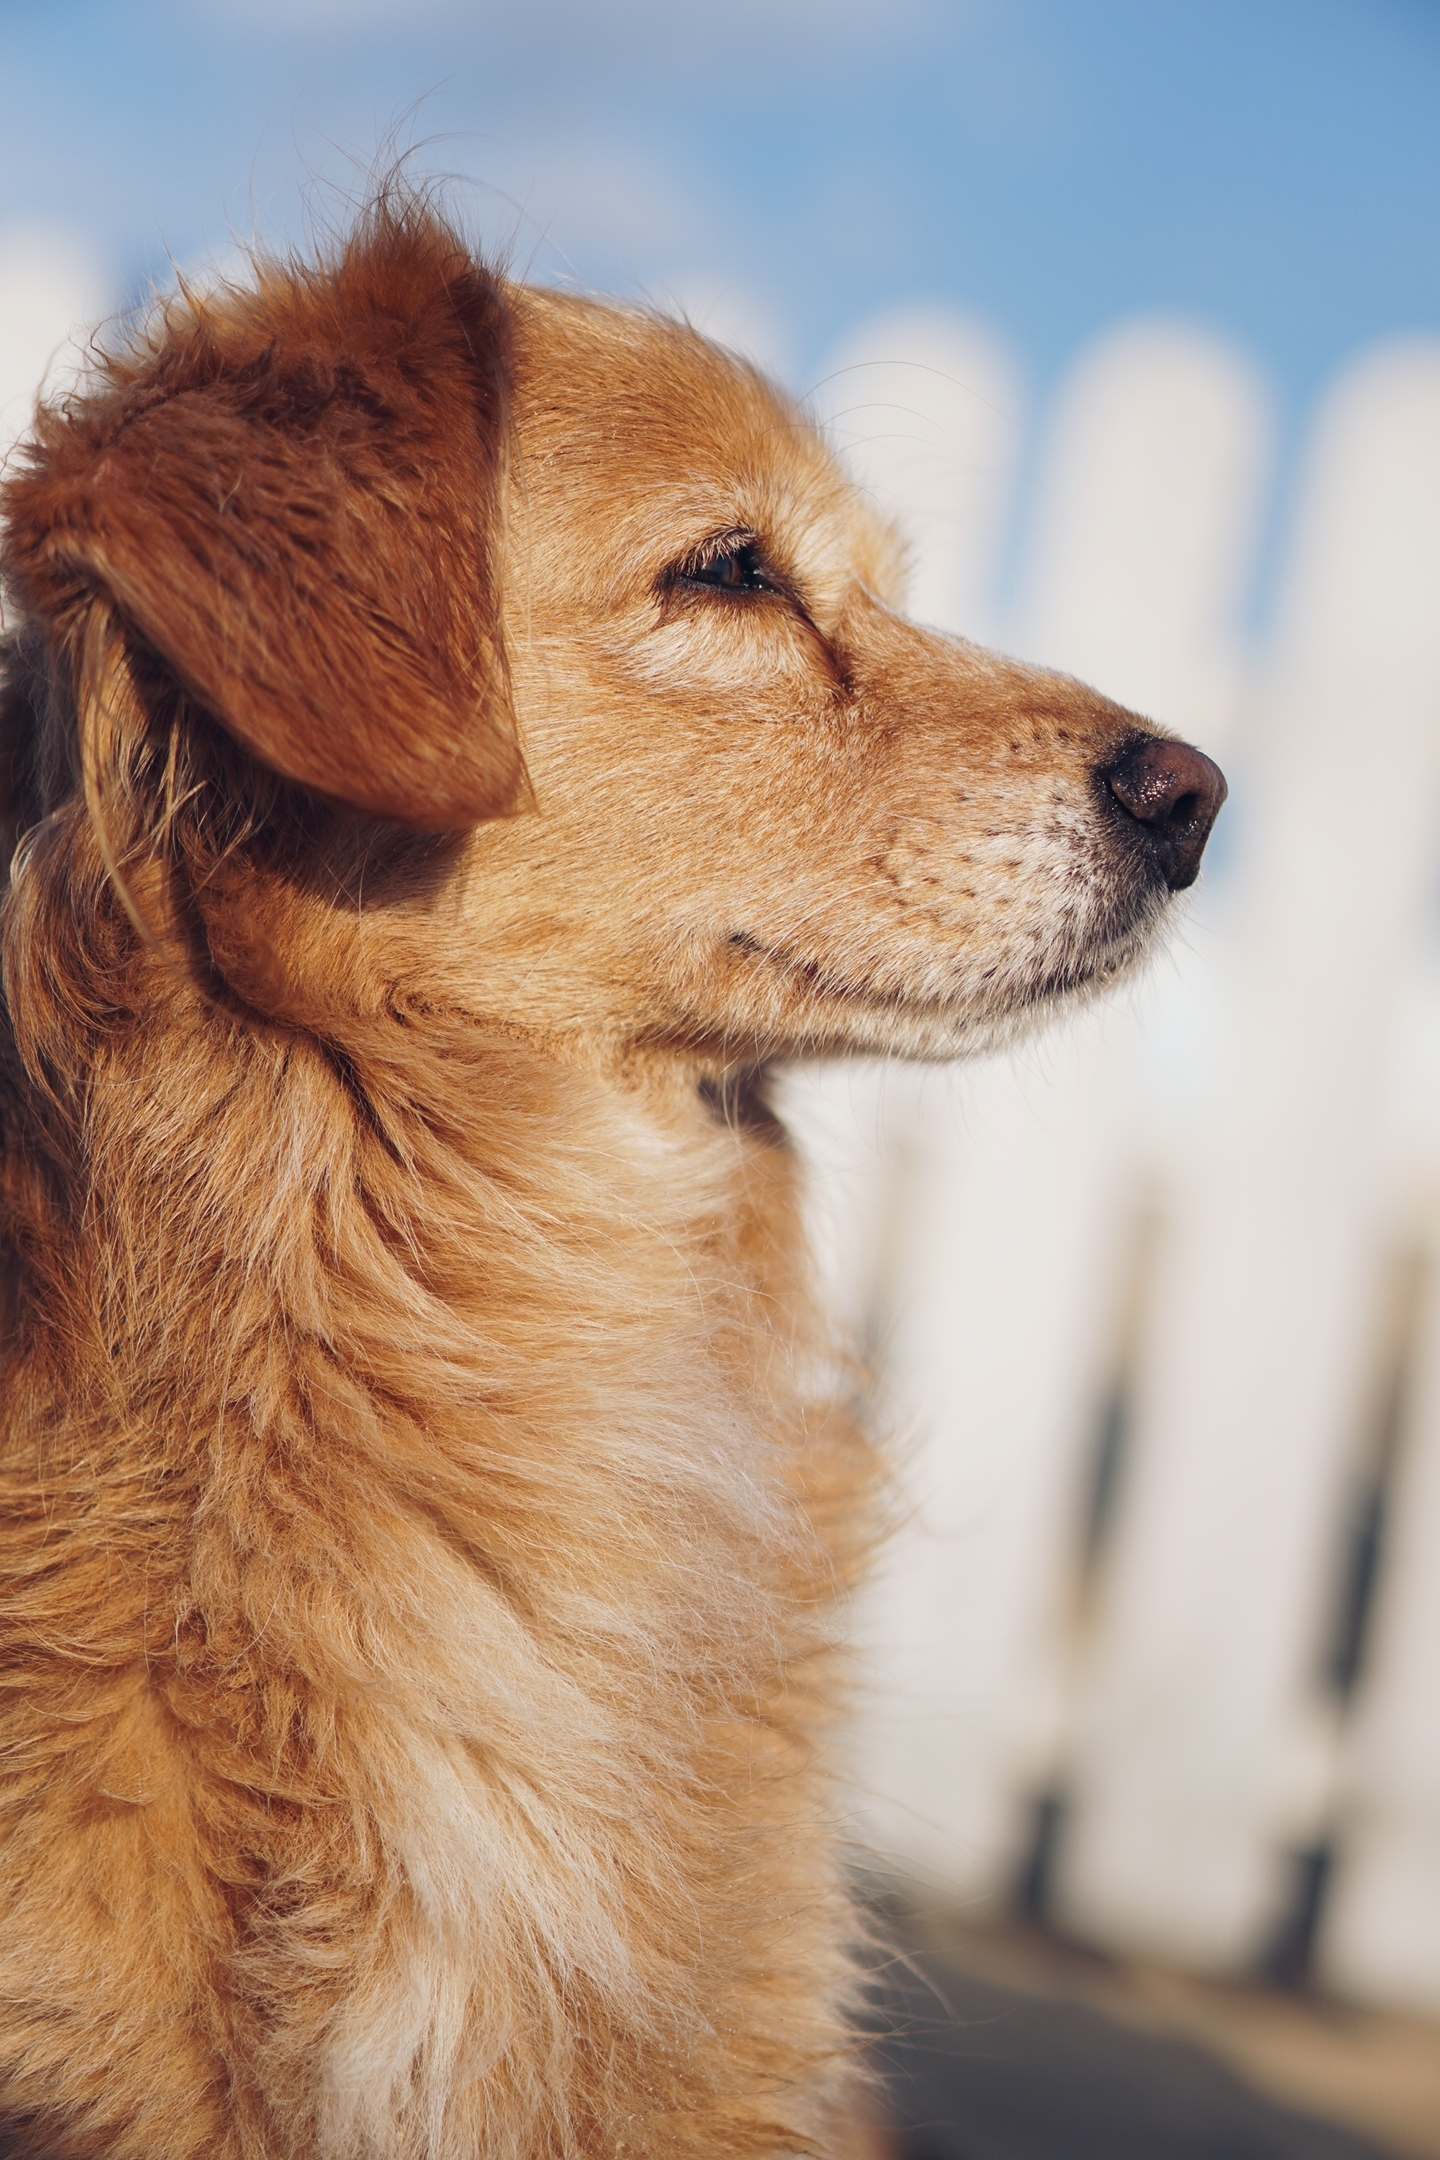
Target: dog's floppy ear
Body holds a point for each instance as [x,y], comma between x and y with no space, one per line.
[293,496]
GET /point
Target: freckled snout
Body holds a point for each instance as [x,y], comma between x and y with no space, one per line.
[1173,793]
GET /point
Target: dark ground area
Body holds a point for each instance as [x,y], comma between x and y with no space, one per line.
[977,2071]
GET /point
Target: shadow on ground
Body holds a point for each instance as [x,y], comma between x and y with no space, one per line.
[977,2071]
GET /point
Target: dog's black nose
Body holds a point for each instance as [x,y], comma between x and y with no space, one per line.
[1173,793]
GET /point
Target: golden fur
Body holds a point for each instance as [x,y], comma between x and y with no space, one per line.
[424,1528]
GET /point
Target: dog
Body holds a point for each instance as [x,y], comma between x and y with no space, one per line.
[457,739]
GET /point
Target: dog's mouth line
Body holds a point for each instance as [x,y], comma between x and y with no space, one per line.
[1110,958]
[823,981]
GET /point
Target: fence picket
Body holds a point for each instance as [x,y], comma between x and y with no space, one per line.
[1200,1761]
[1381,1936]
[1017,1185]
[925,409]
[50,290]
[1147,513]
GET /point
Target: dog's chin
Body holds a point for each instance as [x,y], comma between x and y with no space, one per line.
[793,1004]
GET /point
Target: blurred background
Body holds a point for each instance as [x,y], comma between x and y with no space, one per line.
[1129,312]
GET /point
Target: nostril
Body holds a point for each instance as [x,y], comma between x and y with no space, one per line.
[1184,810]
[1173,793]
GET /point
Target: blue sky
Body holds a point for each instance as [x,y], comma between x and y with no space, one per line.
[1271,167]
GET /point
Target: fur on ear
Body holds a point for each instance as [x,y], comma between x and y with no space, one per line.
[292,496]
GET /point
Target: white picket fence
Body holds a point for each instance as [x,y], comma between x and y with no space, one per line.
[1156,1302]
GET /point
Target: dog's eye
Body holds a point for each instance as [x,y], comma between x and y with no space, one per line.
[735,566]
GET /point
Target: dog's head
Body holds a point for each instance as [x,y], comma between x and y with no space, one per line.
[540,653]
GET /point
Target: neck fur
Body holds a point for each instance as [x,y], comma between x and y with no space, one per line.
[418,1483]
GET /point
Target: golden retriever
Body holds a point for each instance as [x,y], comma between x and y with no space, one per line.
[456,737]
